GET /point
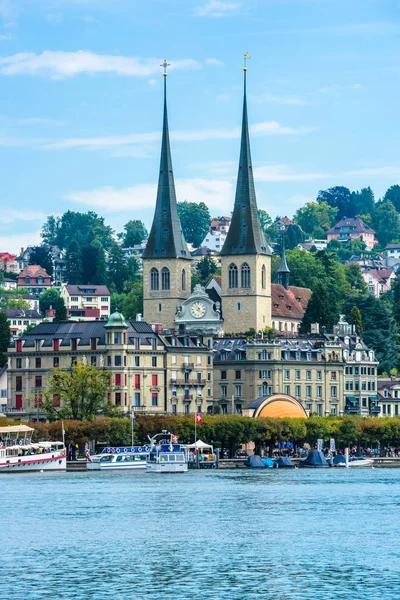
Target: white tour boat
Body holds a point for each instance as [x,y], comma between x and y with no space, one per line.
[166,455]
[18,454]
[128,458]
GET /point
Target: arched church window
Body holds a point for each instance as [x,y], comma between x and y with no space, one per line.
[263,277]
[165,283]
[233,276]
[183,279]
[245,275]
[154,279]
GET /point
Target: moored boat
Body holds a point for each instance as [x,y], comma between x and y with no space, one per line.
[354,461]
[18,454]
[166,455]
[124,458]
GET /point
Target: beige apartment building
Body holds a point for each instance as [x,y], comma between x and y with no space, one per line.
[143,366]
[330,374]
[86,302]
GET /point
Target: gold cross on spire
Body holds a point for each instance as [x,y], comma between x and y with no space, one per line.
[246,58]
[165,65]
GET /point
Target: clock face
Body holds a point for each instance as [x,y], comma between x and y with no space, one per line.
[198,310]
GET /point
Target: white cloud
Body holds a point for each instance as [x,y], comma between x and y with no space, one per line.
[10,216]
[14,242]
[217,194]
[58,64]
[213,61]
[217,8]
[223,97]
[288,100]
[259,129]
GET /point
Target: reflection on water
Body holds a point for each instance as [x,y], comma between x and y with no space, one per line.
[234,535]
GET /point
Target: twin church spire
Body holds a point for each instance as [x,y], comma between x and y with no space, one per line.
[245,235]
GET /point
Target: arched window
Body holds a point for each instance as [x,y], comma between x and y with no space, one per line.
[165,285]
[154,279]
[263,277]
[233,276]
[183,279]
[245,275]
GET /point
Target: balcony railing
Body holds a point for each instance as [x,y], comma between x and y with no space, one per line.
[191,382]
[187,366]
[188,397]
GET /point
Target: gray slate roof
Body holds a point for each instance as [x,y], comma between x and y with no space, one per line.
[166,239]
[245,235]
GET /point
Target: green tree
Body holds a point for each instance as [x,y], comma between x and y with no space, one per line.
[345,250]
[74,264]
[294,235]
[133,302]
[393,195]
[356,319]
[205,268]
[315,219]
[322,308]
[82,392]
[83,228]
[116,268]
[363,201]
[40,255]
[49,297]
[341,198]
[267,224]
[93,264]
[14,302]
[116,302]
[195,220]
[395,296]
[5,337]
[135,232]
[386,222]
[380,331]
[60,310]
[354,279]
[50,230]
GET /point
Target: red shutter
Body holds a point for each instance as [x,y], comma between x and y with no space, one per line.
[118,380]
[18,401]
[154,380]
[56,345]
[56,400]
[137,382]
[19,345]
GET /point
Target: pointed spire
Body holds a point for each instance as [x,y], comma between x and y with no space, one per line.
[245,235]
[283,270]
[166,239]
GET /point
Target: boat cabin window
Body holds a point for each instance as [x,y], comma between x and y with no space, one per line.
[107,458]
[120,458]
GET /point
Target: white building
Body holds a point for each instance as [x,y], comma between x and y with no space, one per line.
[19,319]
[216,234]
[393,251]
[378,281]
[86,302]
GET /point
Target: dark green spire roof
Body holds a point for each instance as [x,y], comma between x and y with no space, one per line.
[166,239]
[245,235]
[283,267]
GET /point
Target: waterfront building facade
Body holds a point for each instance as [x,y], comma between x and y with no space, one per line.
[330,374]
[153,373]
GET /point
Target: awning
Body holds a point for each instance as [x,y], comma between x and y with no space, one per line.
[16,429]
[374,398]
[352,399]
[199,444]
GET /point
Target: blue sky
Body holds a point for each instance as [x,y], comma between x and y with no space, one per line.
[81,103]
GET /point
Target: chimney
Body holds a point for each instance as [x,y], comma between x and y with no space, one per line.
[314,327]
[138,317]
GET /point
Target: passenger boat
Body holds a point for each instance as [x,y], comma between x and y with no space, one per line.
[124,458]
[18,454]
[166,455]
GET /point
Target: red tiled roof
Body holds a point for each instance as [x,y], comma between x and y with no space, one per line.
[7,256]
[290,303]
[356,225]
[382,275]
[33,271]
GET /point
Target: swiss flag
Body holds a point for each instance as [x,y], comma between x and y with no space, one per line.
[175,438]
[198,418]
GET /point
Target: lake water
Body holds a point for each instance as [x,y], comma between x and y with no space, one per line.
[237,534]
